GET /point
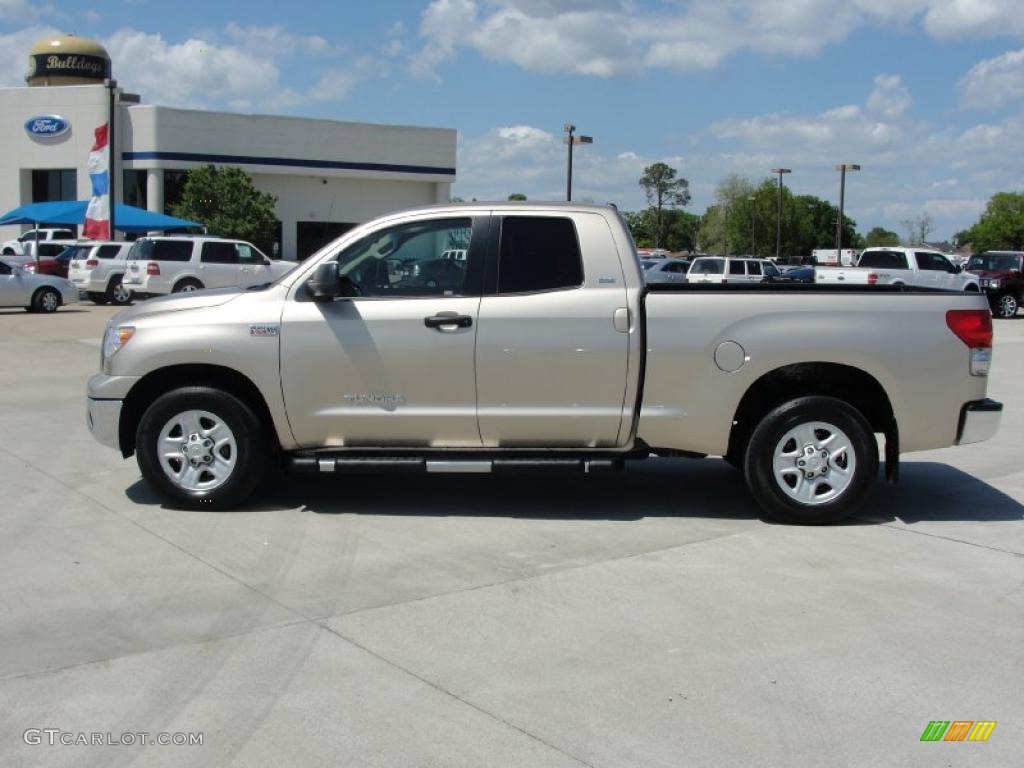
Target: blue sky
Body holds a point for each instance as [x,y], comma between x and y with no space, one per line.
[927,95]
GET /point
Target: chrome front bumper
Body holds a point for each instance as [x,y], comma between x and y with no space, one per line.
[979,421]
[104,418]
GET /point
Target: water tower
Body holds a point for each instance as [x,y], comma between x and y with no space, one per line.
[67,60]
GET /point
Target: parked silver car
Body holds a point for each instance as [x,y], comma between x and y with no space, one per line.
[36,293]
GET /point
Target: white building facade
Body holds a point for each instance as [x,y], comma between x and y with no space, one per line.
[327,175]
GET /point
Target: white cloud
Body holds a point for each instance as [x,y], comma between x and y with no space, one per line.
[608,38]
[14,49]
[279,40]
[993,82]
[889,98]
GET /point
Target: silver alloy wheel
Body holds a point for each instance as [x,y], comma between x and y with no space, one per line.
[1007,305]
[814,463]
[49,301]
[197,450]
[120,294]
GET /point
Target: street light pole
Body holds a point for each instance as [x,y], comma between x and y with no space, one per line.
[570,139]
[778,217]
[843,168]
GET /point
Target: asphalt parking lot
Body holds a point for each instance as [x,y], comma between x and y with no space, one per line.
[648,619]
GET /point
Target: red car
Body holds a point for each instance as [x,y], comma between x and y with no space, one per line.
[53,265]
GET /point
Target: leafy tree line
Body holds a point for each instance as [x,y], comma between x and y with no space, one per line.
[1000,227]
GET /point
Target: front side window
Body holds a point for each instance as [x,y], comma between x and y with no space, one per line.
[771,270]
[538,253]
[247,254]
[410,260]
[754,267]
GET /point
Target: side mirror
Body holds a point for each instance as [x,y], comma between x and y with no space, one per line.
[325,284]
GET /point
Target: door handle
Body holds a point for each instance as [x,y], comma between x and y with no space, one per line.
[442,320]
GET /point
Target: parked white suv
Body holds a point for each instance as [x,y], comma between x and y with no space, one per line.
[97,270]
[161,265]
[17,247]
[729,269]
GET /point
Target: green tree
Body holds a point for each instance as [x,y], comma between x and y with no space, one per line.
[880,236]
[517,196]
[1000,227]
[663,190]
[679,229]
[225,201]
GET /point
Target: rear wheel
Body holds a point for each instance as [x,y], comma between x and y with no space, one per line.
[97,298]
[1005,306]
[117,293]
[45,300]
[811,460]
[187,286]
[201,448]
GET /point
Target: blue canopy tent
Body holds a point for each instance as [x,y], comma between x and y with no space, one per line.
[127,218]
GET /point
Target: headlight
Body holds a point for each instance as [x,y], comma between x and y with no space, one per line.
[993,282]
[115,338]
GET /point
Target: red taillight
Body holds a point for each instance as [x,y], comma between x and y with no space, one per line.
[92,262]
[972,326]
[872,278]
[152,268]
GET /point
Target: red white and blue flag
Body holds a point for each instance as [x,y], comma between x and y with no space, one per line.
[97,215]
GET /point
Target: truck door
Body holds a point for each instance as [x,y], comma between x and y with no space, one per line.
[552,346]
[392,366]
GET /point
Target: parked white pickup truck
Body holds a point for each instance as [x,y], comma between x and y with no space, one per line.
[901,266]
[17,247]
[542,350]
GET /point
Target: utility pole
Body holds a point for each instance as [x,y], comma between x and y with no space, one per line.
[778,217]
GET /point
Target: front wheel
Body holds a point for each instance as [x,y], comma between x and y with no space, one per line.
[811,461]
[45,300]
[201,448]
[1005,306]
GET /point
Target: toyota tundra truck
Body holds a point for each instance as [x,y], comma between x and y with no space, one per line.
[542,350]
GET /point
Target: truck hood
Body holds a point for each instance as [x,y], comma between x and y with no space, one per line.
[177,302]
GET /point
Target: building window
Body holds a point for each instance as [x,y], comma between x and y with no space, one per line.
[134,192]
[54,184]
[310,236]
[174,188]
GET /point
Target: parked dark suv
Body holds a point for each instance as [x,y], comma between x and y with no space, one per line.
[999,273]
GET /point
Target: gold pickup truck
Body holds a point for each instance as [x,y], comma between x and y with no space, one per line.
[542,349]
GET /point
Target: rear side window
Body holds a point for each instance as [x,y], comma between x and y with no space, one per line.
[883,260]
[161,250]
[708,267]
[218,253]
[108,251]
[538,253]
[63,234]
[736,268]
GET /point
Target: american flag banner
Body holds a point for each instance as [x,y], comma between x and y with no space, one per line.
[97,215]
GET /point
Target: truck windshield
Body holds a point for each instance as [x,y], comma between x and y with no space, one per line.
[994,262]
[708,267]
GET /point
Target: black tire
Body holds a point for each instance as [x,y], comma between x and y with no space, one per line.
[8,252]
[117,295]
[972,288]
[252,447]
[767,438]
[188,284]
[45,300]
[1005,305]
[97,298]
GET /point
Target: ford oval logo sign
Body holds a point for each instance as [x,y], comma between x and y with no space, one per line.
[46,126]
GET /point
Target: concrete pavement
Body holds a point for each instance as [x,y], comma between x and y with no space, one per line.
[648,619]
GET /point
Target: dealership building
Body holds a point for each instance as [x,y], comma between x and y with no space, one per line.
[327,175]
